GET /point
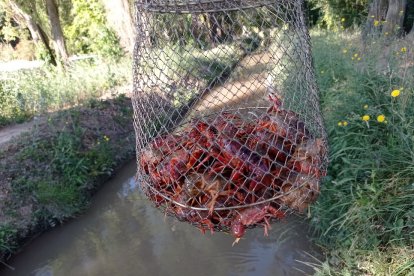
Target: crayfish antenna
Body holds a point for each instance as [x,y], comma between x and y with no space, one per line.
[235,242]
[203,231]
[276,100]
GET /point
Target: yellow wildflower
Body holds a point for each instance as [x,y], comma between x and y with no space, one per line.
[366,118]
[359,59]
[395,93]
[356,55]
[404,49]
[343,19]
[372,16]
[340,124]
[366,106]
[376,23]
[345,123]
[381,118]
[387,33]
[106,138]
[322,72]
[345,51]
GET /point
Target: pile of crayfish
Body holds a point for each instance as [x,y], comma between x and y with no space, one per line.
[224,173]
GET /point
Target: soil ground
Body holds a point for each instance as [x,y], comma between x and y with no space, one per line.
[13,131]
[246,87]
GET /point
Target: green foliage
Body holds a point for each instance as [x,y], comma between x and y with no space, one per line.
[196,30]
[6,231]
[10,108]
[338,14]
[10,30]
[88,33]
[71,168]
[24,94]
[84,24]
[365,211]
[251,43]
[211,70]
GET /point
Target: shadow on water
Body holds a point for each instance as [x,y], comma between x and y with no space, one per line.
[122,234]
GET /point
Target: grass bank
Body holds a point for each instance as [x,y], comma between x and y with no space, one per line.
[48,175]
[364,217]
[26,93]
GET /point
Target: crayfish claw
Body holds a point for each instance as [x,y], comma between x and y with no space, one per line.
[235,241]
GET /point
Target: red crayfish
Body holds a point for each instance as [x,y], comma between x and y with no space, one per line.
[226,173]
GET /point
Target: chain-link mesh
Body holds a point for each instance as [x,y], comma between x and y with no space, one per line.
[229,130]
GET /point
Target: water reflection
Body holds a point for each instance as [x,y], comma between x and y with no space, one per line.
[123,234]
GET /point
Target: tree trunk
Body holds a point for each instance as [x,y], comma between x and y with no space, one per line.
[410,35]
[377,14]
[395,17]
[57,33]
[199,30]
[386,17]
[144,23]
[217,33]
[38,34]
[118,14]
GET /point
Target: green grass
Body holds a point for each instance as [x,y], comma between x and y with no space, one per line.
[26,93]
[365,214]
[48,175]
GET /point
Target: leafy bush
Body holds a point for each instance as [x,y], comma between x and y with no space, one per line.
[335,14]
[88,32]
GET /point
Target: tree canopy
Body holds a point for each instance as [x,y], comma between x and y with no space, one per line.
[60,28]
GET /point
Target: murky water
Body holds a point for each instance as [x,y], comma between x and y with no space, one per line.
[122,234]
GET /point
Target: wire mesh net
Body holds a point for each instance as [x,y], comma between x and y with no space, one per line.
[227,119]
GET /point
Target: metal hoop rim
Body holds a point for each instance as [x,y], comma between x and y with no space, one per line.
[206,6]
[219,208]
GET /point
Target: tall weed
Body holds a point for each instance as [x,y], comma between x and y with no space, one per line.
[24,94]
[366,206]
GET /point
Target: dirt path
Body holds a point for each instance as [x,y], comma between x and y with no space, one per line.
[9,132]
[246,87]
